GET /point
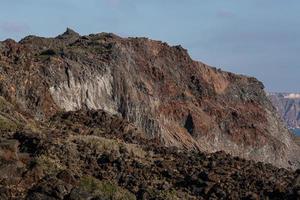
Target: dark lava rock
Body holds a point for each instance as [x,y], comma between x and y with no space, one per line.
[100,161]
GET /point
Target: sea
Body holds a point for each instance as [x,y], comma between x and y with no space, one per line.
[296,131]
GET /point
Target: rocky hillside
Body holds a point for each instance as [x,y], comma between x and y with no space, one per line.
[288,106]
[158,88]
[96,155]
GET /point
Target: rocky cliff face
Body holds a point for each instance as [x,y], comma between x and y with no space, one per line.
[288,106]
[158,88]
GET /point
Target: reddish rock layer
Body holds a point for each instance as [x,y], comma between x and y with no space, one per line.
[159,88]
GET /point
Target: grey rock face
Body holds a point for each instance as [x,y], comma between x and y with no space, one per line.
[157,87]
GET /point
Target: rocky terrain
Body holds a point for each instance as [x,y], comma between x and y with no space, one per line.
[96,155]
[288,106]
[158,88]
[105,117]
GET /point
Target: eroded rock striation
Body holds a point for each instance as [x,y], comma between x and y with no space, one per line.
[159,88]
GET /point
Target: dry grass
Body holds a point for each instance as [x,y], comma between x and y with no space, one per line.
[49,165]
[102,144]
[135,151]
[105,189]
[98,143]
[7,125]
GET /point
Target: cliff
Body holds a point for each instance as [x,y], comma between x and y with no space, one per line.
[160,89]
[288,107]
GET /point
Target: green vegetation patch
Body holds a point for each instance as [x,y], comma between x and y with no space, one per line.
[102,144]
[49,165]
[4,103]
[10,120]
[105,189]
[7,125]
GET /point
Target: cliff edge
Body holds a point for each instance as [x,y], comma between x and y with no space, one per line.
[157,87]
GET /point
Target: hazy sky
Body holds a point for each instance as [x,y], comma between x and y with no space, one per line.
[260,38]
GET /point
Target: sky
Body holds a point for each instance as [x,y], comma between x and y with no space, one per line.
[258,38]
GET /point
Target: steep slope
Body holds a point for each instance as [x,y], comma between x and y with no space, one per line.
[95,155]
[288,106]
[158,88]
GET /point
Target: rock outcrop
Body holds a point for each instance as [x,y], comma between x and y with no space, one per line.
[159,88]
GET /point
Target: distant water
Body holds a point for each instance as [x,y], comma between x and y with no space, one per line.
[297,131]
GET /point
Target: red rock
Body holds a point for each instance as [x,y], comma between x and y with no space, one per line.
[159,88]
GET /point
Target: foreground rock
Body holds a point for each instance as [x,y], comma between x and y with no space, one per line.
[158,88]
[95,155]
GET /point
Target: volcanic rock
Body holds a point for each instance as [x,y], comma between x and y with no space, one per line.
[157,87]
[110,159]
